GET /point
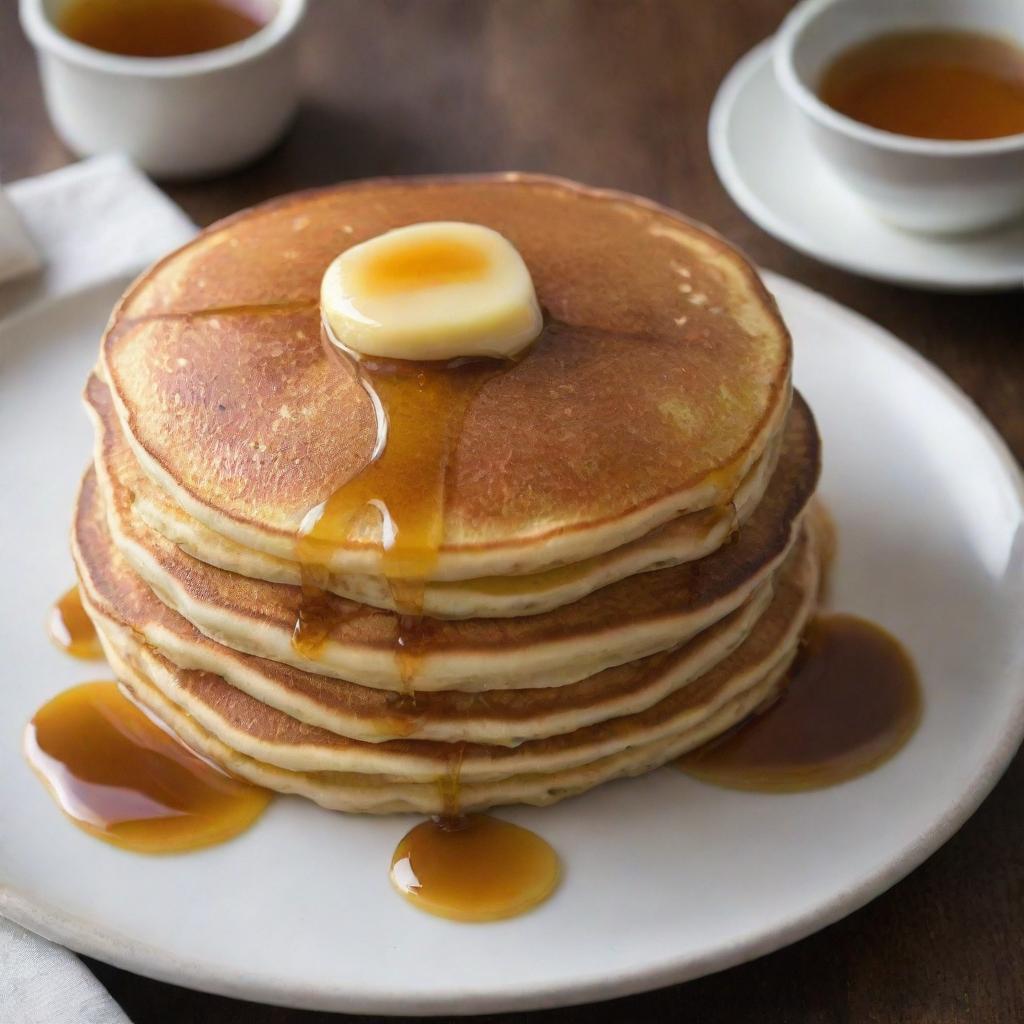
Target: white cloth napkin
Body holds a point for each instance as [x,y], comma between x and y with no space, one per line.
[18,254]
[88,222]
[42,983]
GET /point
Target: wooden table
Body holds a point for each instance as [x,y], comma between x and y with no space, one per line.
[617,93]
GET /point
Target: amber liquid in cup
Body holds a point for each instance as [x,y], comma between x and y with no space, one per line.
[160,28]
[932,85]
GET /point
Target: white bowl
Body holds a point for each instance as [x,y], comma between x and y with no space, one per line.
[935,186]
[176,117]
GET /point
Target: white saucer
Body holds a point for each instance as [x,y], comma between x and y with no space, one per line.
[666,879]
[777,178]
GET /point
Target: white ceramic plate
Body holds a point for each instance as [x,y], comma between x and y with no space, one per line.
[666,879]
[777,178]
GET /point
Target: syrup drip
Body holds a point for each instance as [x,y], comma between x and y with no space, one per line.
[726,479]
[730,514]
[851,702]
[71,629]
[420,411]
[450,785]
[125,779]
[404,717]
[528,583]
[564,575]
[420,408]
[472,867]
[828,542]
[318,614]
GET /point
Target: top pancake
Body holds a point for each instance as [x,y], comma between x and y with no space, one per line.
[659,379]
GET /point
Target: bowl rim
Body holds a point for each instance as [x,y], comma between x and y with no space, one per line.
[787,40]
[45,36]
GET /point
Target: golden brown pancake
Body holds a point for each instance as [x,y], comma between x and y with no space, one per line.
[504,717]
[252,728]
[612,534]
[684,539]
[631,619]
[658,382]
[366,794]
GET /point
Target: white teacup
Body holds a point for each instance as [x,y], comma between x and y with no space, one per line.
[927,185]
[190,116]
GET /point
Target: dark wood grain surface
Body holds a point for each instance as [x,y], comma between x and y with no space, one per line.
[616,93]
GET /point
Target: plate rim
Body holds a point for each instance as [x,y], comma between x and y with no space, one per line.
[92,939]
[764,216]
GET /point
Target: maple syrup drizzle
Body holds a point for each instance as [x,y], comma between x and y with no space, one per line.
[851,702]
[423,406]
[404,716]
[527,583]
[934,85]
[159,28]
[827,541]
[122,777]
[450,784]
[71,629]
[472,867]
[420,408]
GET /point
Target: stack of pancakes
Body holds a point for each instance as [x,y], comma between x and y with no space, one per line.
[628,556]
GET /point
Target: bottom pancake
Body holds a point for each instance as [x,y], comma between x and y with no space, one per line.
[365,794]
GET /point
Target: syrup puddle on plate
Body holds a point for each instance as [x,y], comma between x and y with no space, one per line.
[851,701]
[472,867]
[123,778]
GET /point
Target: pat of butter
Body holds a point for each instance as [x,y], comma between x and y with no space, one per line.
[437,290]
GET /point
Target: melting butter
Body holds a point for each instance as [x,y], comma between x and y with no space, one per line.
[433,291]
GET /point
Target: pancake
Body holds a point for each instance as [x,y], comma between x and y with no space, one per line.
[657,384]
[682,540]
[376,583]
[366,794]
[504,717]
[628,620]
[269,735]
